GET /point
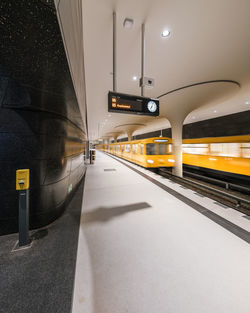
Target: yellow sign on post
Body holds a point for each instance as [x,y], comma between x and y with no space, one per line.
[22,179]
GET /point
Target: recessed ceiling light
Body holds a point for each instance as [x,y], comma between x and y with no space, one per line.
[134,77]
[246,102]
[128,23]
[165,33]
[215,111]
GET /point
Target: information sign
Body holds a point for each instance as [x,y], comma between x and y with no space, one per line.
[124,103]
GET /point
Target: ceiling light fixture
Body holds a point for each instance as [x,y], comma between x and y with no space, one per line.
[246,102]
[215,111]
[128,22]
[134,77]
[165,33]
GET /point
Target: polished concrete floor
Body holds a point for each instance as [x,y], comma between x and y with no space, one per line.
[143,250]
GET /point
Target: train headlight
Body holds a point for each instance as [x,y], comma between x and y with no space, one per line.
[150,161]
[171,160]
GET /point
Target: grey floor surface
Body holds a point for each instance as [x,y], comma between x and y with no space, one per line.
[40,279]
[145,247]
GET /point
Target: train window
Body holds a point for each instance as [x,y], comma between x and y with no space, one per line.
[151,149]
[225,149]
[164,148]
[231,149]
[127,148]
[135,148]
[142,148]
[245,150]
[195,148]
[216,148]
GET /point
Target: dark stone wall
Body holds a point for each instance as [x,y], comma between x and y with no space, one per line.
[53,149]
[40,123]
[229,125]
[32,53]
[165,133]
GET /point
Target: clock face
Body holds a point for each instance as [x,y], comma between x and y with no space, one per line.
[152,107]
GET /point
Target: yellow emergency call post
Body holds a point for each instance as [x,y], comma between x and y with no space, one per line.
[22,185]
[22,179]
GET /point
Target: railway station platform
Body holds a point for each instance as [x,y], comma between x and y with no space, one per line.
[149,245]
[131,241]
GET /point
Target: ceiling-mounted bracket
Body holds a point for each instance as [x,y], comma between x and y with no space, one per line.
[114,53]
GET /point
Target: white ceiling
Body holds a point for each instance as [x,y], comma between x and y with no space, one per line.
[209,40]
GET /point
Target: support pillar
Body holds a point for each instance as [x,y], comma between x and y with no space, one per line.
[129,136]
[87,151]
[177,146]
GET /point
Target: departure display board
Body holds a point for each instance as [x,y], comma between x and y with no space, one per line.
[124,103]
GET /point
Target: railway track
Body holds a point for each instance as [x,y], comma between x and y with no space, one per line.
[218,182]
[230,195]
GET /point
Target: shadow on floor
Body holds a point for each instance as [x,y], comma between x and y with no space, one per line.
[104,214]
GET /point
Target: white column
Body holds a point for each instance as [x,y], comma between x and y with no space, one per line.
[129,136]
[177,146]
[87,150]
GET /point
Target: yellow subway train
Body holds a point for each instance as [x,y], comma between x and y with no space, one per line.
[218,156]
[150,153]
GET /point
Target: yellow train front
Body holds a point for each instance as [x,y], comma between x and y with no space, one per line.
[150,153]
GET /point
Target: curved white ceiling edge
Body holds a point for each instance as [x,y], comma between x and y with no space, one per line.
[202,51]
[69,15]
